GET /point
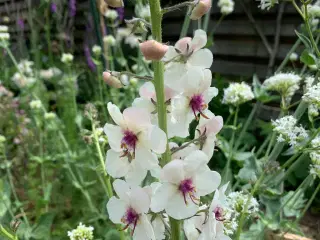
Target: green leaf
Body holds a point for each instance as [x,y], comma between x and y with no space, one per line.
[242,156]
[305,40]
[256,232]
[43,228]
[294,206]
[112,235]
[5,202]
[248,172]
[308,58]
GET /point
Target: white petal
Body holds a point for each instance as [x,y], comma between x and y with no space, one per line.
[208,146]
[139,200]
[158,228]
[136,174]
[174,76]
[170,54]
[173,172]
[195,161]
[145,158]
[190,229]
[202,58]
[184,44]
[208,231]
[147,90]
[180,109]
[116,167]
[207,79]
[121,188]
[199,40]
[157,139]
[194,79]
[210,93]
[115,135]
[178,209]
[144,230]
[177,129]
[181,154]
[136,117]
[162,195]
[144,103]
[206,182]
[115,113]
[116,209]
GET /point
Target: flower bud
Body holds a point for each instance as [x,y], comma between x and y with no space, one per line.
[111,80]
[115,3]
[153,50]
[293,57]
[202,7]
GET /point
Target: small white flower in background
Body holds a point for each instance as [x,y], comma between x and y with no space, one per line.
[81,233]
[294,57]
[315,157]
[133,143]
[186,54]
[4,34]
[267,4]
[4,28]
[131,209]
[237,201]
[226,6]
[123,33]
[183,183]
[195,98]
[25,66]
[237,93]
[288,131]
[66,58]
[313,10]
[22,81]
[49,73]
[313,110]
[209,127]
[143,11]
[111,14]
[132,40]
[109,40]
[284,83]
[50,115]
[312,95]
[309,80]
[35,104]
[96,50]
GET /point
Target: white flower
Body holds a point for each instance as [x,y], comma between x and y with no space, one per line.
[267,4]
[284,83]
[4,36]
[309,80]
[109,40]
[122,33]
[237,93]
[313,110]
[131,209]
[111,14]
[4,29]
[182,153]
[35,104]
[132,143]
[313,95]
[288,131]
[186,54]
[293,57]
[147,101]
[183,183]
[143,11]
[195,98]
[315,157]
[132,40]
[314,11]
[96,50]
[49,73]
[50,115]
[67,58]
[25,66]
[209,127]
[81,233]
[226,6]
[237,201]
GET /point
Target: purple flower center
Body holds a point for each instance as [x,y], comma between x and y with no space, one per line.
[130,218]
[128,143]
[186,188]
[218,212]
[198,104]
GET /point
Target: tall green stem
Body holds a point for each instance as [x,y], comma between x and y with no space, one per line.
[156,22]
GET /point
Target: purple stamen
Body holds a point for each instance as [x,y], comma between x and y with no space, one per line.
[198,104]
[129,142]
[218,211]
[186,188]
[131,217]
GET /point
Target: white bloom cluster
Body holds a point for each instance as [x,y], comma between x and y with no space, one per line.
[136,142]
[25,76]
[96,50]
[315,157]
[237,93]
[81,233]
[226,6]
[49,73]
[67,58]
[143,11]
[288,131]
[267,4]
[312,95]
[284,83]
[35,104]
[314,10]
[109,40]
[4,34]
[50,115]
[128,37]
[111,14]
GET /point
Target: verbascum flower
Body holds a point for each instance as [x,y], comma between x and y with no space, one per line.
[185,55]
[237,93]
[81,233]
[200,9]
[183,183]
[288,131]
[130,209]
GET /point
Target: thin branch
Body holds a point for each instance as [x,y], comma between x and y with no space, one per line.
[256,27]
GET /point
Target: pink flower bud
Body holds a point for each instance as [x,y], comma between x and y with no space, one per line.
[153,50]
[200,9]
[115,3]
[111,80]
